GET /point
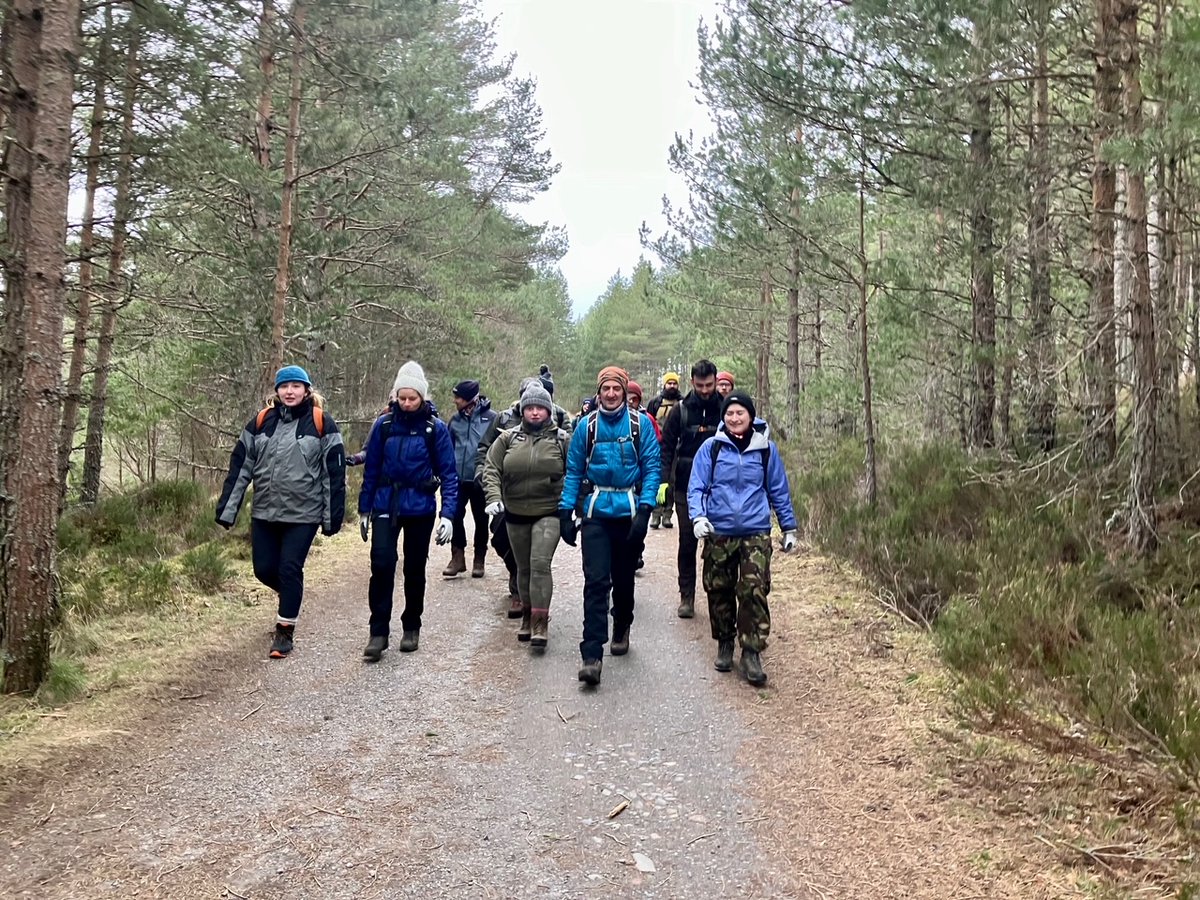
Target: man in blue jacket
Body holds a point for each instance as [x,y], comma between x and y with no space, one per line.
[610,486]
[472,419]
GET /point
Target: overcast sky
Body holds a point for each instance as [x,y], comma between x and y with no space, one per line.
[613,81]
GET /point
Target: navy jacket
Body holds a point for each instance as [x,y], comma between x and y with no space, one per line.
[398,471]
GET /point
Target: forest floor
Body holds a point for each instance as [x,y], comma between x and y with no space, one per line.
[473,769]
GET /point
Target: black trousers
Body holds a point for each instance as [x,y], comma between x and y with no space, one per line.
[469,492]
[609,561]
[503,546]
[278,550]
[385,535]
[686,558]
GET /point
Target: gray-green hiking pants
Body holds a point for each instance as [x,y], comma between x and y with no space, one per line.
[534,545]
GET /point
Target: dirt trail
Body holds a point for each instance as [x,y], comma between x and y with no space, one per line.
[471,769]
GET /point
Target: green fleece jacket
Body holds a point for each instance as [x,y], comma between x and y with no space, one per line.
[525,468]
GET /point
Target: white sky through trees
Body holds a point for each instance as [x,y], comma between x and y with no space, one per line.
[614,85]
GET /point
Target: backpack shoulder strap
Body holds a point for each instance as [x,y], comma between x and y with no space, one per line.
[590,442]
[262,417]
[319,420]
[431,442]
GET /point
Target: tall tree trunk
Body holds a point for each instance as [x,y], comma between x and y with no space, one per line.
[793,323]
[983,275]
[266,69]
[93,449]
[1100,350]
[1165,319]
[762,377]
[87,248]
[871,485]
[29,579]
[1143,524]
[1042,393]
[287,212]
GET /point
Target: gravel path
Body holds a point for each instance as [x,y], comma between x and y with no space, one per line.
[467,769]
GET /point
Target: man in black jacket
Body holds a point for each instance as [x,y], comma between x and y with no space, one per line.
[692,421]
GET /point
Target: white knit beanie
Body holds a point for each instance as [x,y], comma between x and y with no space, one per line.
[411,375]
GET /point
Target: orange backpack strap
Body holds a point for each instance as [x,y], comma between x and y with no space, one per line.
[318,419]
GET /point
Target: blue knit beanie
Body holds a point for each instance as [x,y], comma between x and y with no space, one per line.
[291,373]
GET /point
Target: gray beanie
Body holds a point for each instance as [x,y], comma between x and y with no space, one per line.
[535,395]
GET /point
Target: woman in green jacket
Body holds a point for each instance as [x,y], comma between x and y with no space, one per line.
[522,478]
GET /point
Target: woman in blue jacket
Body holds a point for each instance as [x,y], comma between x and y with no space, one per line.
[409,457]
[737,480]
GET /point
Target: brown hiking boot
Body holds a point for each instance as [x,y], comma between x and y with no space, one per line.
[687,607]
[525,631]
[457,564]
[515,608]
[477,565]
[540,621]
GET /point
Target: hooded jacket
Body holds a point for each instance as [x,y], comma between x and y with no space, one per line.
[299,476]
[398,473]
[622,479]
[525,468]
[735,495]
[466,431]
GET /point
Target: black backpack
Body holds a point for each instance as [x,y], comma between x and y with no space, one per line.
[635,434]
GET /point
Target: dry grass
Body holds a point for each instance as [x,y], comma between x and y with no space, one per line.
[873,787]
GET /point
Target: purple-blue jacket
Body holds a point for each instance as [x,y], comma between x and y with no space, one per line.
[735,495]
[398,472]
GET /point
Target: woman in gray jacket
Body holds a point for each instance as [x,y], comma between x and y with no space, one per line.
[522,478]
[293,454]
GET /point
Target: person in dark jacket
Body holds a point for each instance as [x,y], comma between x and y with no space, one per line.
[292,452]
[610,485]
[523,478]
[659,408]
[473,418]
[690,423]
[737,480]
[409,457]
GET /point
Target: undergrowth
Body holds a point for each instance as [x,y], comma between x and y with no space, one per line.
[1028,595]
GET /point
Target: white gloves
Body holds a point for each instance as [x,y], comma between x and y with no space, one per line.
[701,528]
[445,528]
[789,541]
[494,509]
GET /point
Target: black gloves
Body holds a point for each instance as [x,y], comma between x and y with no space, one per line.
[567,527]
[641,525]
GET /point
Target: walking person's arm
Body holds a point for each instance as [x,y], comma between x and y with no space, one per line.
[779,492]
[670,443]
[333,479]
[241,469]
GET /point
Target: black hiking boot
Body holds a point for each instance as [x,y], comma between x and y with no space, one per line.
[525,630]
[281,645]
[409,642]
[620,643]
[590,672]
[724,660]
[375,647]
[687,607]
[752,667]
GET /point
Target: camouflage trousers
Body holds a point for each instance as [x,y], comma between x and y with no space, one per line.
[737,579]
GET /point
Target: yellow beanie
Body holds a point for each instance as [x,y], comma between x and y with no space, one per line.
[671,376]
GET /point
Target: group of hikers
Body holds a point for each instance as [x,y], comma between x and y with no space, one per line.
[531,475]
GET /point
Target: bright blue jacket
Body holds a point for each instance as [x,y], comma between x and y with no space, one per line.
[734,495]
[398,465]
[623,480]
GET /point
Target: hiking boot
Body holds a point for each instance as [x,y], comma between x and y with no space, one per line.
[457,564]
[656,518]
[525,631]
[640,564]
[281,644]
[540,621]
[590,672]
[724,660]
[515,607]
[477,565]
[375,647]
[409,642]
[620,643]
[687,607]
[666,518]
[752,667]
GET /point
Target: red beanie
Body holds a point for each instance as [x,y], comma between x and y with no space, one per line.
[726,376]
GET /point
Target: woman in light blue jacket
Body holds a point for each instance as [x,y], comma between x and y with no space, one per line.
[737,480]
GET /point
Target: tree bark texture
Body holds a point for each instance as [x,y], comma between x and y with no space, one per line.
[1100,350]
[762,376]
[288,199]
[73,397]
[1143,525]
[983,276]
[1042,392]
[30,583]
[93,450]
